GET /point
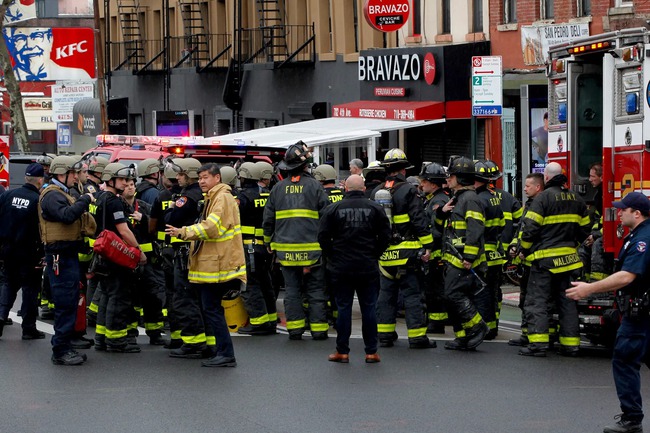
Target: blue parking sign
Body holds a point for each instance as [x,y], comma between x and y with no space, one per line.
[63,135]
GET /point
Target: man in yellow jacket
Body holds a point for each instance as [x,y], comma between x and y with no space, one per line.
[217,265]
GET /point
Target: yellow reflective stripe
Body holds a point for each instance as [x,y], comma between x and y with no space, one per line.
[226,236]
[296,213]
[566,268]
[428,239]
[597,276]
[153,326]
[538,338]
[460,334]
[176,335]
[319,327]
[490,247]
[165,312]
[474,215]
[389,263]
[93,307]
[534,216]
[570,341]
[585,221]
[518,213]
[216,277]
[256,321]
[100,330]
[492,325]
[456,262]
[85,257]
[253,241]
[419,332]
[385,327]
[297,263]
[405,245]
[553,252]
[314,246]
[199,231]
[469,249]
[473,321]
[267,239]
[120,333]
[273,317]
[295,324]
[401,219]
[131,326]
[146,248]
[248,230]
[459,225]
[193,339]
[507,215]
[259,233]
[495,222]
[439,221]
[216,219]
[438,316]
[566,218]
[526,245]
[210,340]
[162,236]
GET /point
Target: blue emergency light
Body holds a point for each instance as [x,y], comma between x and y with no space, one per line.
[632,103]
[561,112]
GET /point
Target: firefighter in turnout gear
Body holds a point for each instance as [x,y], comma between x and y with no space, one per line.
[464,255]
[258,296]
[291,222]
[554,226]
[400,265]
[185,304]
[432,181]
[494,254]
[149,170]
[326,175]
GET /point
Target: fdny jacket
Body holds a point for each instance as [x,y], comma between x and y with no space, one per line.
[19,236]
[185,210]
[516,240]
[494,224]
[554,226]
[512,212]
[411,230]
[217,253]
[251,209]
[291,220]
[432,203]
[464,227]
[334,194]
[353,234]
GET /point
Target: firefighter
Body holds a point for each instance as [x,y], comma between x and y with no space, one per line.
[494,254]
[186,305]
[291,221]
[512,212]
[533,185]
[149,171]
[373,175]
[326,175]
[149,283]
[114,331]
[432,180]
[259,297]
[400,265]
[21,250]
[164,250]
[464,256]
[600,263]
[266,173]
[63,223]
[556,223]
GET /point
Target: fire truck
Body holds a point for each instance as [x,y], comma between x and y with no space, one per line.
[4,161]
[599,90]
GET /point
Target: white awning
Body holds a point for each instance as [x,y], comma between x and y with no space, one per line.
[317,132]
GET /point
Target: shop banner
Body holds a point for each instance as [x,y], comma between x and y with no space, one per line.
[535,40]
[66,94]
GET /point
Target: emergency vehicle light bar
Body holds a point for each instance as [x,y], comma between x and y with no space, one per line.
[580,49]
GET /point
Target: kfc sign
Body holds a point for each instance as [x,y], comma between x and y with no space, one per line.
[387,15]
[20,10]
[50,54]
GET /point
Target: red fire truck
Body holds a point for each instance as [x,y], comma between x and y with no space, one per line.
[4,161]
[599,90]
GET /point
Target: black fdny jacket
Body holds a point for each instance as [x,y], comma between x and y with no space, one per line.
[19,231]
[432,203]
[186,207]
[353,234]
[494,224]
[251,212]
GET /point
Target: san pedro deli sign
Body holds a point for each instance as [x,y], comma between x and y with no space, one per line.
[387,15]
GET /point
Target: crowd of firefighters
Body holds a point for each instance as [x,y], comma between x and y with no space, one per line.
[452,230]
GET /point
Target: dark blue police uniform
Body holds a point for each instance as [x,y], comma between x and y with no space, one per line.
[632,345]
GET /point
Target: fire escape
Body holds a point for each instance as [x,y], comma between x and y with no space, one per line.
[196,51]
[128,12]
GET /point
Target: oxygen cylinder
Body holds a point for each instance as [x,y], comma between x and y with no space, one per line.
[385,200]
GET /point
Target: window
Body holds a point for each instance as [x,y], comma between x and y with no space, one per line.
[355,8]
[622,3]
[584,8]
[477,16]
[546,9]
[510,11]
[446,16]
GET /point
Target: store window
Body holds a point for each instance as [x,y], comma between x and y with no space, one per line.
[510,11]
[546,9]
[477,16]
[446,17]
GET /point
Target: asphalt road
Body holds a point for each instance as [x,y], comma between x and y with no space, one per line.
[289,386]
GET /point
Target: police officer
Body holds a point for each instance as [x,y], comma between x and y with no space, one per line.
[47,306]
[186,305]
[464,255]
[149,171]
[114,331]
[494,254]
[62,226]
[21,250]
[600,262]
[259,297]
[432,181]
[556,223]
[291,221]
[630,281]
[400,265]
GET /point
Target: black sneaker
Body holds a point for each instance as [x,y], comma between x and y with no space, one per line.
[189,351]
[69,358]
[126,348]
[33,334]
[220,361]
[624,426]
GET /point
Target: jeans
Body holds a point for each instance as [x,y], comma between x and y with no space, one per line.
[21,275]
[65,294]
[631,349]
[367,288]
[213,314]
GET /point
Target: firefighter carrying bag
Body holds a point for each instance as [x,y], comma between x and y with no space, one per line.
[112,248]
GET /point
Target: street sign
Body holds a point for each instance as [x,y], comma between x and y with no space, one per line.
[487,86]
[63,135]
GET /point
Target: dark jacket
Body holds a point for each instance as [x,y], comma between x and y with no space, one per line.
[494,224]
[353,234]
[432,203]
[19,231]
[147,191]
[56,208]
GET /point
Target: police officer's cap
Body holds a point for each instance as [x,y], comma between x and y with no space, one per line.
[35,170]
[634,200]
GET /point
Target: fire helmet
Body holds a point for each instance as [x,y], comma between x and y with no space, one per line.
[296,156]
[433,172]
[482,172]
[395,159]
[493,169]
